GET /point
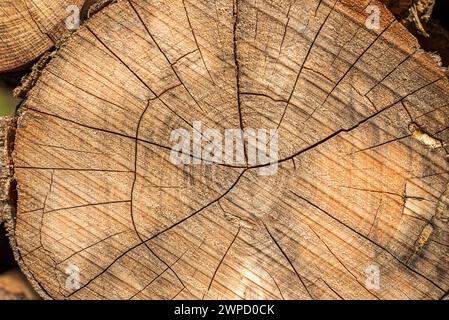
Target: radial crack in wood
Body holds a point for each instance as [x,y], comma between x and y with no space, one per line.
[28,28]
[362,180]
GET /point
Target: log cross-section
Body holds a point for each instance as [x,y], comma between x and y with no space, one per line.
[361,187]
[28,28]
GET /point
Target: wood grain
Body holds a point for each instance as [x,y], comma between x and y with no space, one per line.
[362,117]
[28,28]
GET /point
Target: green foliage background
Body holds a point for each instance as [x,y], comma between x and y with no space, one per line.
[7,102]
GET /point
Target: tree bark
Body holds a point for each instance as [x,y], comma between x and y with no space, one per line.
[362,182]
[7,187]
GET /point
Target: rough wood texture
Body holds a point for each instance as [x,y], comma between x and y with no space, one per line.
[14,286]
[362,181]
[7,198]
[28,28]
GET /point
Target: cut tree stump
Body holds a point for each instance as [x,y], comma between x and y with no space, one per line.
[28,28]
[362,184]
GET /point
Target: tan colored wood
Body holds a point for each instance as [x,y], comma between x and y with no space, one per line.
[28,28]
[363,172]
[14,286]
